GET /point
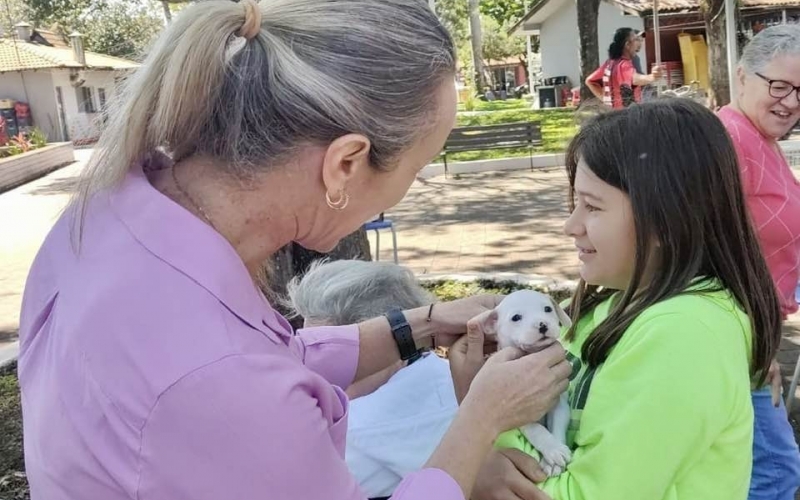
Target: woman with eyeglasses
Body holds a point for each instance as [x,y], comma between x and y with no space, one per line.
[765,108]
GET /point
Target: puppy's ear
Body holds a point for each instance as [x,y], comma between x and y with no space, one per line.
[487,322]
[562,315]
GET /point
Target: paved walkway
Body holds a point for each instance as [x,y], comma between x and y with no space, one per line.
[26,215]
[489,222]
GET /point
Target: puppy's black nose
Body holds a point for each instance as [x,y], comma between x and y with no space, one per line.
[542,328]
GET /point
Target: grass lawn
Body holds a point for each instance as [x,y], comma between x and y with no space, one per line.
[448,290]
[12,483]
[498,105]
[558,127]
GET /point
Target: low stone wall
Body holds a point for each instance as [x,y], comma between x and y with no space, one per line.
[552,160]
[19,169]
[8,354]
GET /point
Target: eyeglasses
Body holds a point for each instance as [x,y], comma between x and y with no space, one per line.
[780,89]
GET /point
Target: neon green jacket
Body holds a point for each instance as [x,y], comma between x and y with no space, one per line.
[668,416]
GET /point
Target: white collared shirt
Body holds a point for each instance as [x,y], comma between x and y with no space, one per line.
[394,430]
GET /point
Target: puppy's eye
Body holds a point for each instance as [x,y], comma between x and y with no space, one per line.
[548,309]
[516,317]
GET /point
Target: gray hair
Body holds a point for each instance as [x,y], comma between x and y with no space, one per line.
[345,292]
[768,44]
[314,71]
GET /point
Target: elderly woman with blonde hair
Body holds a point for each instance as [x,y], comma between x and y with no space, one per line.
[151,365]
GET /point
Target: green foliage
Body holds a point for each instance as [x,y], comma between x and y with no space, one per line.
[10,425]
[506,12]
[123,29]
[508,104]
[471,103]
[66,13]
[37,138]
[454,15]
[498,16]
[18,144]
[562,116]
[498,45]
[13,12]
[22,143]
[13,483]
[447,290]
[112,27]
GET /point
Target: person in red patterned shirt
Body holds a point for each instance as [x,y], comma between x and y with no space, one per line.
[616,82]
[764,109]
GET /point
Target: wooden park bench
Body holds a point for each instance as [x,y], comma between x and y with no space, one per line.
[502,136]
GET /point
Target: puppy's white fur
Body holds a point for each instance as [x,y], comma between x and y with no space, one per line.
[523,319]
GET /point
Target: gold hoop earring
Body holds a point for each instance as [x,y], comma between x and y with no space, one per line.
[339,204]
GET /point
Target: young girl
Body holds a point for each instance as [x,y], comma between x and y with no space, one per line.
[675,313]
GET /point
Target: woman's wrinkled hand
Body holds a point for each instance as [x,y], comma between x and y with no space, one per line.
[514,388]
[468,355]
[450,318]
[509,474]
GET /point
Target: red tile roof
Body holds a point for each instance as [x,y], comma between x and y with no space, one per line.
[16,55]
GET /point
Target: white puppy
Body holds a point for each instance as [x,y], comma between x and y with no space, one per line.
[524,319]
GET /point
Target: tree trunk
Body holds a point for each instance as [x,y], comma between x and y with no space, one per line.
[167,12]
[719,91]
[588,10]
[293,260]
[477,45]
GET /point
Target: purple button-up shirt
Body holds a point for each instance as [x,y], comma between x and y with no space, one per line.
[152,368]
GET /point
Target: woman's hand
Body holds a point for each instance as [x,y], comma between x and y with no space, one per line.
[514,388]
[509,475]
[657,72]
[450,318]
[775,380]
[448,322]
[468,355]
[510,389]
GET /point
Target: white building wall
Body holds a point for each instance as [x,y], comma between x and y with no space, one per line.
[560,46]
[83,126]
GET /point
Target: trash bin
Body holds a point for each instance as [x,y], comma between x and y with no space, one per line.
[10,116]
[24,120]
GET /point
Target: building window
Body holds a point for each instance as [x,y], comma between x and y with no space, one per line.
[85,101]
[101,96]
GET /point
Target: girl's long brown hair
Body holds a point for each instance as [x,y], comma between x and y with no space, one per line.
[676,162]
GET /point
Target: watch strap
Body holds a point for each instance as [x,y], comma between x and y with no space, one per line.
[403,337]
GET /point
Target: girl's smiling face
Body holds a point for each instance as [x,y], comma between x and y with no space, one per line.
[602,226]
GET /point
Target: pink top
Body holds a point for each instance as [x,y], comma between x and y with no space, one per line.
[773,197]
[152,368]
[614,74]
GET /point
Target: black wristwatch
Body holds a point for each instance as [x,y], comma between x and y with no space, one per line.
[403,336]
